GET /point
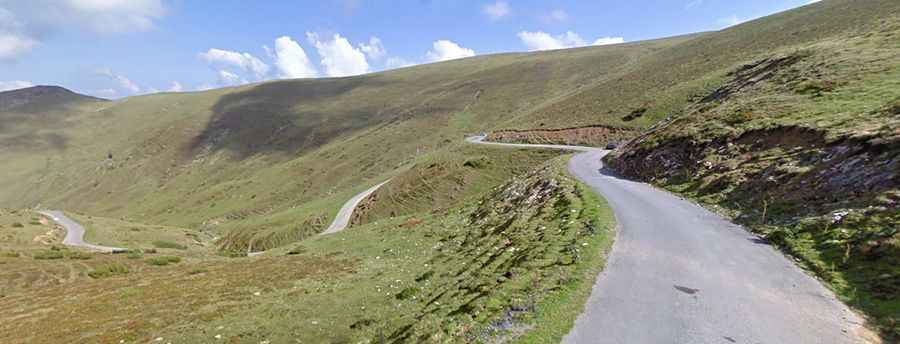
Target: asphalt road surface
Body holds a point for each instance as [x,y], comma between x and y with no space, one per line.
[75,233]
[342,219]
[679,273]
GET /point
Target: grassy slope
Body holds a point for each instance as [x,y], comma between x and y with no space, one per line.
[397,278]
[262,159]
[802,147]
[665,82]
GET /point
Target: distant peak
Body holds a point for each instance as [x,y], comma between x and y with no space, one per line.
[40,95]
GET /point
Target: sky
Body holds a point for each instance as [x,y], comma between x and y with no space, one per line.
[120,48]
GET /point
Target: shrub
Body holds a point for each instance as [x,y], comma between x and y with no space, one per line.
[79,255]
[169,244]
[107,270]
[35,223]
[136,254]
[297,250]
[232,254]
[44,255]
[163,260]
[11,254]
[17,225]
[198,271]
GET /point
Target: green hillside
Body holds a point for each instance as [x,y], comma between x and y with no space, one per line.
[265,157]
[788,124]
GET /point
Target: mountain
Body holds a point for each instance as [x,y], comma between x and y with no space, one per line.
[40,99]
[194,159]
[788,124]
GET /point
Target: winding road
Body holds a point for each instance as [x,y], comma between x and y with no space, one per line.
[679,273]
[342,219]
[75,233]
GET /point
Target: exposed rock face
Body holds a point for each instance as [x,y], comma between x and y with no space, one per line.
[788,164]
[778,148]
[582,136]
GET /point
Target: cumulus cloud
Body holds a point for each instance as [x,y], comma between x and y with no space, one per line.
[25,24]
[608,40]
[397,62]
[373,49]
[14,85]
[540,40]
[731,20]
[14,42]
[105,92]
[114,16]
[124,82]
[543,41]
[244,61]
[497,10]
[557,15]
[176,87]
[338,56]
[227,78]
[12,46]
[444,50]
[291,60]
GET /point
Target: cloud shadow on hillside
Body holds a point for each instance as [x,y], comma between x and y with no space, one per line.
[265,118]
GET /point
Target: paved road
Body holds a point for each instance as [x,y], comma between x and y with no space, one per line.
[678,273]
[342,220]
[75,233]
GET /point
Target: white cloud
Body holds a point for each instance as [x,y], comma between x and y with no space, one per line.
[444,50]
[397,62]
[14,85]
[497,10]
[227,78]
[374,49]
[114,16]
[543,41]
[339,57]
[291,60]
[13,41]
[205,86]
[23,23]
[12,46]
[608,40]
[124,83]
[105,93]
[557,15]
[244,61]
[693,3]
[731,20]
[176,87]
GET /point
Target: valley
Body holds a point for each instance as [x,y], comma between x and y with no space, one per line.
[739,185]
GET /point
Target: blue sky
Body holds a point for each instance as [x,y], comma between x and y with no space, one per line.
[118,48]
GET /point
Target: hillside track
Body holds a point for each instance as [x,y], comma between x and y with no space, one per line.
[679,273]
[75,233]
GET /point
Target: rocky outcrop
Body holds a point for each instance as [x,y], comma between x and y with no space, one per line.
[581,136]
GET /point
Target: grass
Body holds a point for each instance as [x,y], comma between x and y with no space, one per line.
[48,255]
[558,312]
[352,285]
[266,166]
[799,156]
[163,260]
[128,233]
[108,270]
[169,245]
